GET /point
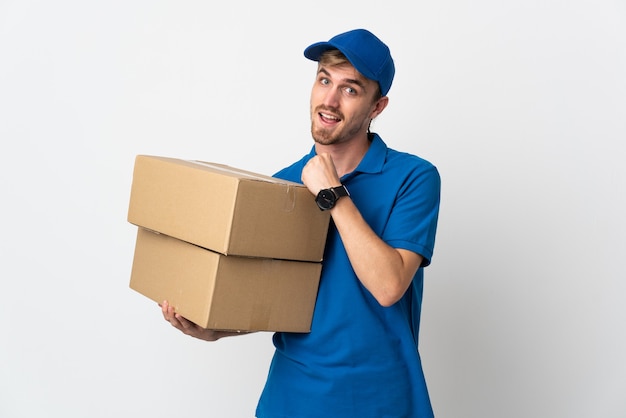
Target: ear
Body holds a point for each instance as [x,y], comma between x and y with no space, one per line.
[379,106]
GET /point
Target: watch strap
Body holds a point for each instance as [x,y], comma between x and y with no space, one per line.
[340,191]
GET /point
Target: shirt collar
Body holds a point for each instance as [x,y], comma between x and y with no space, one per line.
[373,160]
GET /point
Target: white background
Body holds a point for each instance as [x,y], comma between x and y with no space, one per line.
[521,105]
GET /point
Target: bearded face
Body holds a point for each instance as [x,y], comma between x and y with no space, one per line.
[342,104]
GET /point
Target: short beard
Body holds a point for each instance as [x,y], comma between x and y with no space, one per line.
[322,137]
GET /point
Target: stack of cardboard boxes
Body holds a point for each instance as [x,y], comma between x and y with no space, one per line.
[228,248]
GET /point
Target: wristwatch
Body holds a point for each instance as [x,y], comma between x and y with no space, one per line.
[327,198]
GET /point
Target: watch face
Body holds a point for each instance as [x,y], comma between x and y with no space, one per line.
[325,199]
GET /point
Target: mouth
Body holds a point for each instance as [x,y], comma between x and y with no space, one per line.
[328,117]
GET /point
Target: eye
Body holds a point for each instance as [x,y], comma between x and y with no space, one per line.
[350,90]
[324,81]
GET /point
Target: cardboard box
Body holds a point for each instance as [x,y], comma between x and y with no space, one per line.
[225,292]
[227,210]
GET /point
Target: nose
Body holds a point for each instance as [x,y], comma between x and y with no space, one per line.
[331,98]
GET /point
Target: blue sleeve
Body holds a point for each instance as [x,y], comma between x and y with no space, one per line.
[412,224]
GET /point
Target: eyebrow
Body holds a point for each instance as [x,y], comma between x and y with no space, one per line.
[345,80]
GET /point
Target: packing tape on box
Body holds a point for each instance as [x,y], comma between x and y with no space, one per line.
[290,202]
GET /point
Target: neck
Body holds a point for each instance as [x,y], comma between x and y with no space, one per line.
[346,155]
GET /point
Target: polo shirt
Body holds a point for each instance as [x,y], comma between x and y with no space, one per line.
[361,359]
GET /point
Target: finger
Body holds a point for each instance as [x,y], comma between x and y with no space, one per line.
[184,322]
[164,309]
[169,313]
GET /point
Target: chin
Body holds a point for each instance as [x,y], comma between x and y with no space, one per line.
[323,138]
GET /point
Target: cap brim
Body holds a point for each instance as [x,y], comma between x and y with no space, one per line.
[315,51]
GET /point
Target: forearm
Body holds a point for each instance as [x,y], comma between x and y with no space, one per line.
[385,271]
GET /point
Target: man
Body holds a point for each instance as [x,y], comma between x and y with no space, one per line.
[361,357]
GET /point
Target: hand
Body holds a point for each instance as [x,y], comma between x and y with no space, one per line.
[320,173]
[189,328]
